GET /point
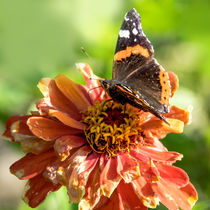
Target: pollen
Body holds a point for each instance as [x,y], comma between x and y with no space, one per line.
[111,127]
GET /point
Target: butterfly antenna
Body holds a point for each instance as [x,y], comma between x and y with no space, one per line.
[92,60]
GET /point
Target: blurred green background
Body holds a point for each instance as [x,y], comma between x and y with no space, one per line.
[43,38]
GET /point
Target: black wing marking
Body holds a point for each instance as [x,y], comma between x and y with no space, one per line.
[151,83]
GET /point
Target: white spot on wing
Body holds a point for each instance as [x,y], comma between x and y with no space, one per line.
[135,32]
[135,40]
[124,33]
[126,18]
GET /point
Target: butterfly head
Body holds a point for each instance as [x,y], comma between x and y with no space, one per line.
[105,84]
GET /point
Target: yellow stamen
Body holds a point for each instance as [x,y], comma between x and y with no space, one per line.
[111,128]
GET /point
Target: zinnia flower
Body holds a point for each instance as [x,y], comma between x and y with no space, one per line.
[107,156]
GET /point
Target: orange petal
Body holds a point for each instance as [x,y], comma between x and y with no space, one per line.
[72,92]
[172,174]
[57,100]
[128,198]
[159,155]
[160,129]
[174,82]
[65,144]
[32,144]
[185,115]
[49,129]
[109,178]
[16,127]
[127,167]
[37,189]
[67,120]
[31,165]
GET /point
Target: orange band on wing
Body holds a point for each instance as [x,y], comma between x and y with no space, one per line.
[165,84]
[138,49]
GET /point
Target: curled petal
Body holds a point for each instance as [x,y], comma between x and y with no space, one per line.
[128,198]
[49,129]
[72,92]
[37,189]
[109,178]
[159,128]
[31,165]
[16,128]
[185,115]
[127,167]
[43,86]
[174,82]
[65,144]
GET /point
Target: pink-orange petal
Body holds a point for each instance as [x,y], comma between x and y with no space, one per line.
[72,92]
[79,176]
[159,155]
[174,82]
[16,126]
[128,198]
[50,129]
[144,191]
[109,178]
[127,167]
[37,189]
[92,191]
[173,174]
[31,165]
[171,196]
[65,144]
[92,82]
[75,192]
[191,193]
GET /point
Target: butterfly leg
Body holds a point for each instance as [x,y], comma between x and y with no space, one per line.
[106,101]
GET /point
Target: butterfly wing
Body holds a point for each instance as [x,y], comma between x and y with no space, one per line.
[133,48]
[135,67]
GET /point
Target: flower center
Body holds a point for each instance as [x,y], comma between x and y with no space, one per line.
[111,127]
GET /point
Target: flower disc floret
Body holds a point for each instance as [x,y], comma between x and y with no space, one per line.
[111,127]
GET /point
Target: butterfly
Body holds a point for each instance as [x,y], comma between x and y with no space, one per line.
[137,78]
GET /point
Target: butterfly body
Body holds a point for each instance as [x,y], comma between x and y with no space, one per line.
[137,78]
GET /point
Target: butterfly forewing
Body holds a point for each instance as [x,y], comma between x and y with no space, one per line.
[133,48]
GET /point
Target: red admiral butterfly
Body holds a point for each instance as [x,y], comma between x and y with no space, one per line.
[137,78]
